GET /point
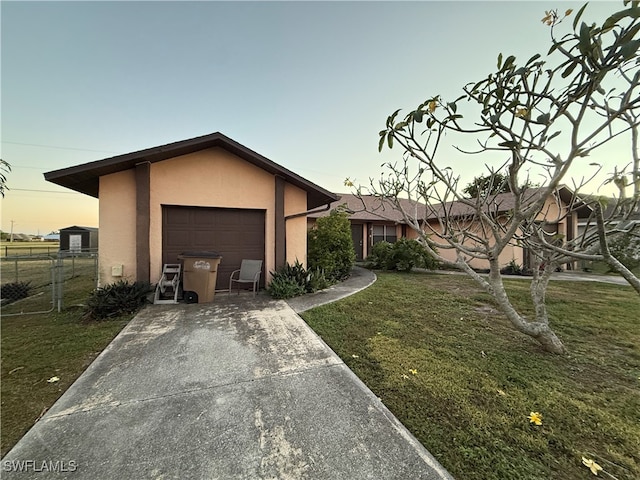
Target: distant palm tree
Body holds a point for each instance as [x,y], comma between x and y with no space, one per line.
[4,169]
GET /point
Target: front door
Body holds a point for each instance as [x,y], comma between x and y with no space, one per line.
[356,237]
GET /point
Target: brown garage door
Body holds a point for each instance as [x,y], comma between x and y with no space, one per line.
[234,233]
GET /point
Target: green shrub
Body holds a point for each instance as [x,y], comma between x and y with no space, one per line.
[117,299]
[381,257]
[512,268]
[330,247]
[410,254]
[403,255]
[293,280]
[626,248]
[317,281]
[15,291]
[284,287]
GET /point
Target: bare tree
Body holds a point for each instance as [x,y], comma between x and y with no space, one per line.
[543,117]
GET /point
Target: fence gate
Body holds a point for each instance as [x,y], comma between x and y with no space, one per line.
[36,283]
[28,284]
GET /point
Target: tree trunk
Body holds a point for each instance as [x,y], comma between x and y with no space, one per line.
[549,341]
[539,330]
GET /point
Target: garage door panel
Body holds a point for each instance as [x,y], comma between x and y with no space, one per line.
[203,219]
[176,218]
[234,233]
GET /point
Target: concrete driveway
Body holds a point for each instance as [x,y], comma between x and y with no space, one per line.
[238,389]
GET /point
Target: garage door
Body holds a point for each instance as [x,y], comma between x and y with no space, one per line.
[234,233]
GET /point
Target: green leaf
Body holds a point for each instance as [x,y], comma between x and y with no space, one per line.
[584,42]
[544,118]
[629,49]
[499,60]
[509,144]
[392,117]
[534,58]
[390,141]
[382,133]
[453,106]
[508,62]
[630,34]
[400,126]
[578,15]
[381,142]
[567,71]
[554,135]
[417,116]
[633,12]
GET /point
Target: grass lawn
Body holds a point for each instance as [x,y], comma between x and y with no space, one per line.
[450,367]
[38,347]
[28,248]
[603,269]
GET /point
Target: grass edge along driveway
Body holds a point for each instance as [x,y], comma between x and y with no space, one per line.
[447,364]
[43,354]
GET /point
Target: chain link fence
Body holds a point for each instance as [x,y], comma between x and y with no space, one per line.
[37,283]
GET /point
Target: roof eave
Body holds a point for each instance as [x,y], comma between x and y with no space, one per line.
[85,178]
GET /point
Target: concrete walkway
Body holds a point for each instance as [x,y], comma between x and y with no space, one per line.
[238,389]
[360,279]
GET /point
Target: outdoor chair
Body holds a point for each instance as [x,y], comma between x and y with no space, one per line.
[249,273]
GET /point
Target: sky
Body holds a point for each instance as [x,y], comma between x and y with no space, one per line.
[307,84]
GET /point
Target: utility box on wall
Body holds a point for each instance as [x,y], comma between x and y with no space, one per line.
[79,239]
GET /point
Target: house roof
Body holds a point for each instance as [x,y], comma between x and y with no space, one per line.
[370,208]
[611,207]
[79,227]
[499,203]
[85,178]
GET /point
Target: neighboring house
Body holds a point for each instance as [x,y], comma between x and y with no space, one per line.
[373,220]
[587,220]
[206,193]
[77,239]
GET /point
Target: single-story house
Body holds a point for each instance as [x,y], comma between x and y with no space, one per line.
[206,193]
[374,220]
[78,239]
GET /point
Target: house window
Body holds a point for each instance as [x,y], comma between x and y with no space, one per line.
[385,233]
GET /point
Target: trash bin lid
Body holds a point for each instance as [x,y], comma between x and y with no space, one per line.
[203,254]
